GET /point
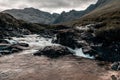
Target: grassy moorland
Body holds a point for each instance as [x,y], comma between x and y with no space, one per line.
[109,14]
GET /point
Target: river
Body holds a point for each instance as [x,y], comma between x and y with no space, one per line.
[37,42]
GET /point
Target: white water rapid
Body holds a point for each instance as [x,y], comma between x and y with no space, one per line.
[36,42]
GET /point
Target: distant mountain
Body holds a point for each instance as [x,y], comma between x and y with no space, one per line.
[37,16]
[72,15]
[33,15]
[106,10]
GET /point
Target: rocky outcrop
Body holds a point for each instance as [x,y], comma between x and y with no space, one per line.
[108,51]
[68,37]
[53,51]
[85,37]
[78,36]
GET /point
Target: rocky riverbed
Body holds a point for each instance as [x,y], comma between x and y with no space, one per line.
[74,65]
[72,54]
[36,43]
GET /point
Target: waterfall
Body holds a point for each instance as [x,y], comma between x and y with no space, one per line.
[37,42]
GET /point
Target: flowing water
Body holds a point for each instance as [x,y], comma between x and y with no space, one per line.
[37,42]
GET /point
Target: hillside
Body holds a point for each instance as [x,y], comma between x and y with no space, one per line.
[10,26]
[108,10]
[100,29]
[72,15]
[33,15]
[37,16]
[107,13]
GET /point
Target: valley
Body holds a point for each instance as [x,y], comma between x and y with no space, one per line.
[74,45]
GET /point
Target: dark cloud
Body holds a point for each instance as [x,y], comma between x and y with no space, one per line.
[47,5]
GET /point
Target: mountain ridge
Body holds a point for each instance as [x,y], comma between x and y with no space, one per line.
[90,8]
[32,15]
[37,16]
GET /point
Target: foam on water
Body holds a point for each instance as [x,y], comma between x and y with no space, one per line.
[36,42]
[31,51]
[79,52]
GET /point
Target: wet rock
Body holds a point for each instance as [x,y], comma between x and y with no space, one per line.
[15,48]
[115,66]
[18,47]
[53,51]
[12,48]
[68,38]
[4,50]
[4,41]
[108,52]
[87,36]
[23,44]
[89,50]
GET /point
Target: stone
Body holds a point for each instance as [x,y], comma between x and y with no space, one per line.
[53,51]
[23,44]
[68,38]
[115,66]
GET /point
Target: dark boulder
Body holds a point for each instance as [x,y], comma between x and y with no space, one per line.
[4,41]
[23,44]
[68,38]
[89,50]
[87,36]
[109,52]
[53,51]
[115,66]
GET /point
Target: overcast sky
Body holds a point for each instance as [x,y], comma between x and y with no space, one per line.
[47,5]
